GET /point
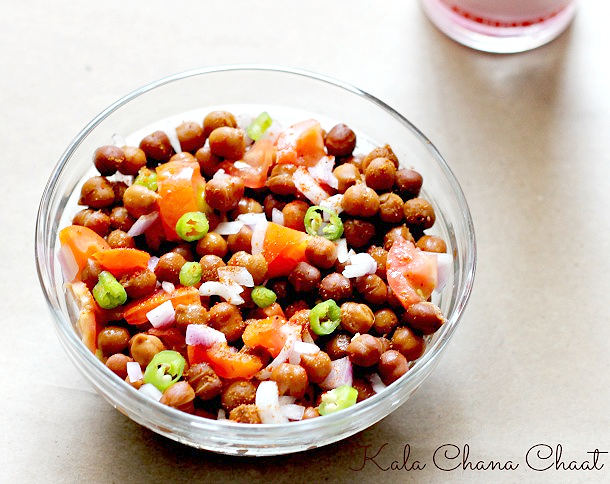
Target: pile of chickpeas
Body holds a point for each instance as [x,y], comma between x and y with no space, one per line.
[380,204]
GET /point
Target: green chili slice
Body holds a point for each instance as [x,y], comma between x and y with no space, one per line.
[147,178]
[262,297]
[324,317]
[164,369]
[258,127]
[192,226]
[338,399]
[108,292]
[190,273]
[313,221]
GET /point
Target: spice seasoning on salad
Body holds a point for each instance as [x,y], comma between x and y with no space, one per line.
[267,275]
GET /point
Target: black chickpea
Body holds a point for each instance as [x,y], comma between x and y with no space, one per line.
[227,319]
[347,175]
[97,220]
[204,380]
[168,267]
[143,347]
[381,256]
[246,205]
[431,243]
[113,339]
[364,388]
[180,396]
[117,363]
[358,232]
[372,288]
[270,203]
[139,284]
[392,365]
[247,414]
[390,208]
[238,393]
[224,193]
[386,321]
[364,350]
[294,214]
[411,345]
[336,347]
[356,317]
[209,267]
[380,174]
[120,219]
[335,286]
[190,314]
[208,162]
[140,200]
[157,147]
[321,252]
[402,232]
[217,119]
[97,192]
[108,159]
[190,135]
[291,379]
[227,143]
[419,213]
[317,366]
[212,243]
[360,201]
[340,140]
[408,182]
[255,264]
[119,239]
[304,277]
[135,159]
[185,250]
[384,151]
[424,316]
[281,181]
[90,273]
[241,241]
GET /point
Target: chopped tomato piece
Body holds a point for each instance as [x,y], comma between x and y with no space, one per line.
[135,311]
[78,243]
[225,360]
[261,313]
[265,333]
[254,166]
[301,144]
[411,273]
[180,185]
[122,261]
[283,249]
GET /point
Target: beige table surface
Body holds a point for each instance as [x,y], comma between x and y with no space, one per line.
[526,134]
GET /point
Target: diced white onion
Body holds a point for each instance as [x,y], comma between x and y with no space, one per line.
[273,131]
[221,415]
[267,403]
[306,348]
[118,140]
[443,270]
[161,316]
[341,373]
[173,138]
[151,391]
[359,265]
[251,219]
[306,184]
[293,411]
[168,286]
[376,382]
[142,224]
[332,203]
[134,371]
[286,399]
[229,292]
[236,274]
[258,236]
[220,175]
[203,335]
[152,262]
[229,228]
[121,177]
[342,252]
[277,216]
[322,171]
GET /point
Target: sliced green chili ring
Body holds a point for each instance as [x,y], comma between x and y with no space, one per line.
[164,369]
[263,297]
[147,178]
[324,317]
[190,273]
[338,399]
[192,226]
[258,127]
[108,292]
[313,221]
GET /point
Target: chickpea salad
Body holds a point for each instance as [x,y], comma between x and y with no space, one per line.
[238,269]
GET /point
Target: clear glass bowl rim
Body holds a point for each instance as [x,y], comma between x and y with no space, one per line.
[225,436]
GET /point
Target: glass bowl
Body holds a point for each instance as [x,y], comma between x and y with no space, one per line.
[251,87]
